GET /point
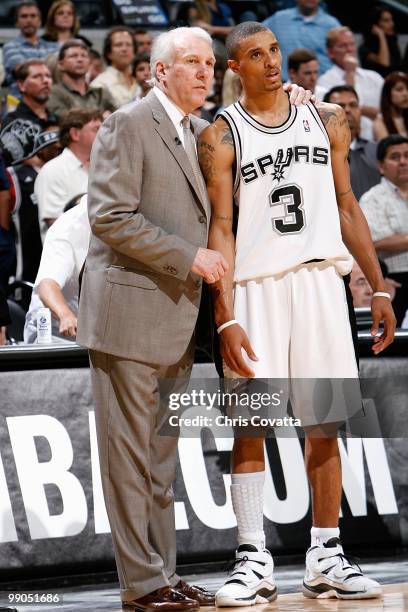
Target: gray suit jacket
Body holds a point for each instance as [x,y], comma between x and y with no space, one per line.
[138,299]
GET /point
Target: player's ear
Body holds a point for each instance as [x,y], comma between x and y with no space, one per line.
[233,65]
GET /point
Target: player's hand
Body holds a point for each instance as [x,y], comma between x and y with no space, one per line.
[381,310]
[298,95]
[232,340]
[211,265]
[68,324]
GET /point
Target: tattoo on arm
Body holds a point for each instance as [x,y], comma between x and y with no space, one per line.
[227,138]
[326,115]
[206,159]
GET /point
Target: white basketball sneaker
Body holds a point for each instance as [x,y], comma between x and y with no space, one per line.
[250,580]
[329,573]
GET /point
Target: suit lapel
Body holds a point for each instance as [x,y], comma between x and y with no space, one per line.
[167,132]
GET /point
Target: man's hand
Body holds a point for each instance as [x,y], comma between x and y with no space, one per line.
[232,340]
[211,265]
[298,95]
[68,324]
[350,63]
[381,310]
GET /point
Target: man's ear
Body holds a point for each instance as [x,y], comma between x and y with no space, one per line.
[233,65]
[160,70]
[74,134]
[21,86]
[380,168]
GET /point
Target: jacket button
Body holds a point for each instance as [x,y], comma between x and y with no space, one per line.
[198,283]
[202,219]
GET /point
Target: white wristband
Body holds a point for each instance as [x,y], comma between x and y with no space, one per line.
[224,325]
[381,294]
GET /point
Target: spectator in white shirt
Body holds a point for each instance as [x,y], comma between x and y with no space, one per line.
[57,284]
[341,48]
[119,50]
[66,176]
[386,209]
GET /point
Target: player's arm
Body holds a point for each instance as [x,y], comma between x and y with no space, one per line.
[354,227]
[216,156]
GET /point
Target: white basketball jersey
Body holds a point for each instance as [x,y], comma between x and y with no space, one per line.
[285,192]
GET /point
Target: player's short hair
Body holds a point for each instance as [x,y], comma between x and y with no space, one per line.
[340,89]
[386,143]
[333,35]
[23,70]
[241,32]
[300,56]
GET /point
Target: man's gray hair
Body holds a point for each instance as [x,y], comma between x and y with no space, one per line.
[164,46]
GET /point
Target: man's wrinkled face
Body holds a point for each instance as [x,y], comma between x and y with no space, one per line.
[37,85]
[188,77]
[28,20]
[395,164]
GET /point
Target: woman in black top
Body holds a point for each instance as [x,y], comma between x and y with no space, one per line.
[380,50]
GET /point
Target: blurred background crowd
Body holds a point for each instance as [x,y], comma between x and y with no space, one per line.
[59,81]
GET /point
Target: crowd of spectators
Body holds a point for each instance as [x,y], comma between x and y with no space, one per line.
[57,89]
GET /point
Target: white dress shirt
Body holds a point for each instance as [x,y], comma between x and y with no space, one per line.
[386,212]
[58,181]
[65,248]
[175,114]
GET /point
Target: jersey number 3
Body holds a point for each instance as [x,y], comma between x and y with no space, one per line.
[288,216]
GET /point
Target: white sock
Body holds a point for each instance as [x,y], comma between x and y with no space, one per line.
[247,501]
[320,535]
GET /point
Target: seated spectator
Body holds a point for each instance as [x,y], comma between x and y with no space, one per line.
[215,17]
[57,284]
[62,23]
[394,107]
[45,146]
[303,69]
[341,49]
[141,71]
[4,317]
[143,42]
[380,49]
[66,176]
[119,50]
[361,290]
[305,26]
[73,91]
[96,66]
[386,209]
[364,172]
[28,45]
[7,244]
[32,115]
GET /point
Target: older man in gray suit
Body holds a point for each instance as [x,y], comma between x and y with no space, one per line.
[149,216]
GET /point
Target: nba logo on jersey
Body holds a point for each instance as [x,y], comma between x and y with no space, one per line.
[306,125]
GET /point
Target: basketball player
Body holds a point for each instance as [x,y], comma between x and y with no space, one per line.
[287,169]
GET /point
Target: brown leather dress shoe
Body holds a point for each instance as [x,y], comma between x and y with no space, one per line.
[202,596]
[165,599]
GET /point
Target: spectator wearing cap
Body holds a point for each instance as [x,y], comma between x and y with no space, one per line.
[7,244]
[23,175]
[57,284]
[341,48]
[73,91]
[386,209]
[364,172]
[119,50]
[303,69]
[304,26]
[66,176]
[32,115]
[28,45]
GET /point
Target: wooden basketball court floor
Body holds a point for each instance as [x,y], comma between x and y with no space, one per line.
[391,573]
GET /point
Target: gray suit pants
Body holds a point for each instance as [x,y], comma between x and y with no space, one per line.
[137,468]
